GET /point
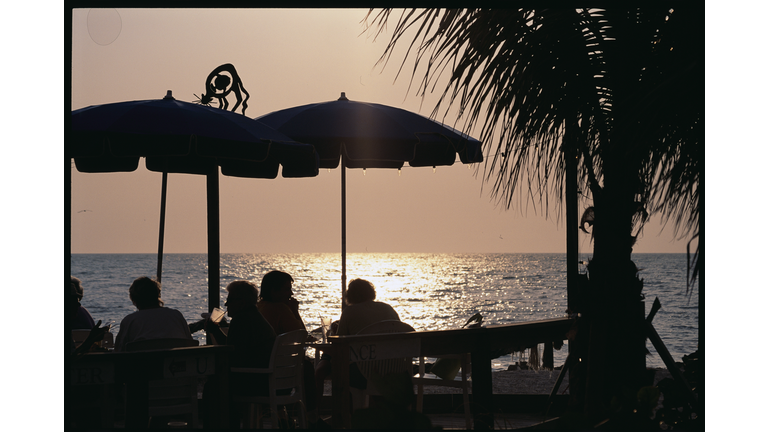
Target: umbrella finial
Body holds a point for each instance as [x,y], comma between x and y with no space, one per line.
[343,96]
[169,95]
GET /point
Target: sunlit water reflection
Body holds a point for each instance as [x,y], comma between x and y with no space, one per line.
[429,291]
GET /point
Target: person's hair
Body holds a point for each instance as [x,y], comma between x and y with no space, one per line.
[145,293]
[360,290]
[247,290]
[272,283]
[78,286]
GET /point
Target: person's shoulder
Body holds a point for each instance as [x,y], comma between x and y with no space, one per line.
[275,308]
[130,317]
[174,312]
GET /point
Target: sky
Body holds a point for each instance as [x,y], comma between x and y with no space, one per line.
[285,58]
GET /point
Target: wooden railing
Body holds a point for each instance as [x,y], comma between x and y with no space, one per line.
[483,343]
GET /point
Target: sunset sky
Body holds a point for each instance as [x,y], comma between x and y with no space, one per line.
[284,58]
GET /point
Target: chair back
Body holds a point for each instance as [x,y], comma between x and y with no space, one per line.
[287,362]
[286,377]
[374,370]
[159,344]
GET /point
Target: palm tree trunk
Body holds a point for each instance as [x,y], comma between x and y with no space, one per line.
[614,315]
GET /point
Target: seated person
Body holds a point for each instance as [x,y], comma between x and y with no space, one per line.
[79,417]
[72,298]
[250,334]
[281,310]
[83,319]
[277,304]
[252,338]
[361,311]
[152,320]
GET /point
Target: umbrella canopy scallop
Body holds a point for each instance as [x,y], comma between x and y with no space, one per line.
[182,137]
[372,135]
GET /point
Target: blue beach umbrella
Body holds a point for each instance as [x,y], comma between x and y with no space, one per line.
[182,137]
[369,135]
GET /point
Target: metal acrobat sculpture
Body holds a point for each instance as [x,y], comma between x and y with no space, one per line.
[220,83]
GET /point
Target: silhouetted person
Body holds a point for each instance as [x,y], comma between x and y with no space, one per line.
[281,310]
[71,307]
[277,304]
[361,311]
[78,417]
[83,319]
[152,320]
[252,338]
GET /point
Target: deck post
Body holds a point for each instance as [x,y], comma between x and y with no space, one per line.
[482,389]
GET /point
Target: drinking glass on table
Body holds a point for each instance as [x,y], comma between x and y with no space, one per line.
[325,323]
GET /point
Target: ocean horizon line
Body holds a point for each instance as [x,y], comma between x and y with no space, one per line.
[433,253]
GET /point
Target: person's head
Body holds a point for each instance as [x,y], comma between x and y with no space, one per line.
[276,286]
[242,294]
[78,287]
[360,290]
[145,293]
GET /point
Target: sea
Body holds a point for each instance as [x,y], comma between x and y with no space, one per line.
[429,291]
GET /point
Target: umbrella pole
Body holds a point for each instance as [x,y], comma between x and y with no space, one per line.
[343,227]
[161,237]
[212,186]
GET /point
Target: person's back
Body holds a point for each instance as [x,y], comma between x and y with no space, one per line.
[156,323]
[152,320]
[360,315]
[252,337]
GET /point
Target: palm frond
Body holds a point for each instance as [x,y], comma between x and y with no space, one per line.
[626,83]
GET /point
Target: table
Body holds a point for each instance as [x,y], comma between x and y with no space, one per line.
[482,343]
[136,369]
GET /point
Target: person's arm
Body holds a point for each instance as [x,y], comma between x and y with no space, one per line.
[96,335]
[184,325]
[293,305]
[212,329]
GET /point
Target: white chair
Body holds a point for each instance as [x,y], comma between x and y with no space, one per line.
[286,375]
[464,362]
[384,367]
[170,396]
